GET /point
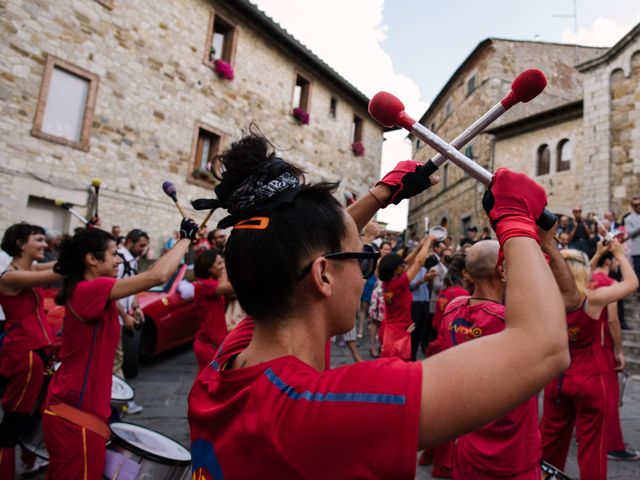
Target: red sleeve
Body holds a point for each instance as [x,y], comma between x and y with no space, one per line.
[403,281]
[91,298]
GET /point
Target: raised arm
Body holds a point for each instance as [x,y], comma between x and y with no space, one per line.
[422,252]
[561,273]
[161,271]
[494,374]
[600,297]
[15,280]
[400,183]
[616,335]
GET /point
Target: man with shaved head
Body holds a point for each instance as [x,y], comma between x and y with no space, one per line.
[510,446]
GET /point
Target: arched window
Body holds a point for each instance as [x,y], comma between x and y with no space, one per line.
[565,154]
[543,160]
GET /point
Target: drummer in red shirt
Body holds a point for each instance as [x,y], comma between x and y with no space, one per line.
[78,403]
[25,345]
[396,275]
[579,396]
[210,288]
[266,408]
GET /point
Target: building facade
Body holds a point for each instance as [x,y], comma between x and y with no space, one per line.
[136,93]
[483,79]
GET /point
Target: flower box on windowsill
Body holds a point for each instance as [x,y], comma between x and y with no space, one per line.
[357,148]
[223,69]
[300,115]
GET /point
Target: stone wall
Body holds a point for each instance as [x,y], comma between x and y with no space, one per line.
[564,189]
[612,128]
[153,89]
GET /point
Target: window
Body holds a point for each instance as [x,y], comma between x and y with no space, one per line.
[66,104]
[356,129]
[418,144]
[445,176]
[448,109]
[565,155]
[207,144]
[543,160]
[220,40]
[301,93]
[471,84]
[333,107]
[433,126]
[466,223]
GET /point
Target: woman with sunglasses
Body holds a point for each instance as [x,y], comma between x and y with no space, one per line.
[265,407]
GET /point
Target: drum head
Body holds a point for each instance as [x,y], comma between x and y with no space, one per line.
[149,443]
[121,391]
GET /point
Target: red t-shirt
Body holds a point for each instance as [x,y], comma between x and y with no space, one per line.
[443,300]
[601,279]
[585,344]
[397,300]
[26,325]
[284,419]
[88,349]
[210,308]
[507,446]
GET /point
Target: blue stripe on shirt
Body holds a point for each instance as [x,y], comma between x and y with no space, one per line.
[384,398]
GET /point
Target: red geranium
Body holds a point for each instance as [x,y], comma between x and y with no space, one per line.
[301,115]
[357,148]
[223,69]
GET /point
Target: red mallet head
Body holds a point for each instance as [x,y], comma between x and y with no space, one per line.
[170,189]
[388,110]
[525,87]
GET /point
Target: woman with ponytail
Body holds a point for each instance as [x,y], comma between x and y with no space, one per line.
[297,267]
[579,396]
[26,341]
[77,406]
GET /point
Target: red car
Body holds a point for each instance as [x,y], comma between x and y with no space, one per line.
[170,321]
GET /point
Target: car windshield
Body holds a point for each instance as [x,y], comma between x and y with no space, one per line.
[167,286]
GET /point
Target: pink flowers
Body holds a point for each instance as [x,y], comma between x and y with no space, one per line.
[223,69]
[357,148]
[301,115]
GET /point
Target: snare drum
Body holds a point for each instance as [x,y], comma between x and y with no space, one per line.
[549,472]
[144,454]
[121,392]
[33,438]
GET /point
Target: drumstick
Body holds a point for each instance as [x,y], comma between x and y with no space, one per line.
[68,207]
[170,189]
[95,183]
[206,219]
[389,111]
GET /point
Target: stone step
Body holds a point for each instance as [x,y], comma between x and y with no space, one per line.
[631,349]
[631,335]
[633,365]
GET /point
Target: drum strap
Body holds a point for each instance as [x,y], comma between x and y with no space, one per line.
[80,418]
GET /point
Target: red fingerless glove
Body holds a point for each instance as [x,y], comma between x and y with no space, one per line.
[514,202]
[404,182]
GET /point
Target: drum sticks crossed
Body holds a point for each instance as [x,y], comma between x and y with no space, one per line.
[389,111]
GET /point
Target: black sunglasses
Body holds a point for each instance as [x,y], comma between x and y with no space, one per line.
[367,259]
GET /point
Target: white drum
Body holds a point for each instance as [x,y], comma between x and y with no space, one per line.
[137,452]
[121,392]
[33,439]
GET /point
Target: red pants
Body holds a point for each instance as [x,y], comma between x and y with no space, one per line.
[465,471]
[615,440]
[443,456]
[204,352]
[24,373]
[579,400]
[74,451]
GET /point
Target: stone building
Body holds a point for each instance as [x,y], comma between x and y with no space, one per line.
[136,93]
[587,152]
[483,79]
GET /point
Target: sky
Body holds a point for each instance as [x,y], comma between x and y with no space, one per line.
[412,47]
